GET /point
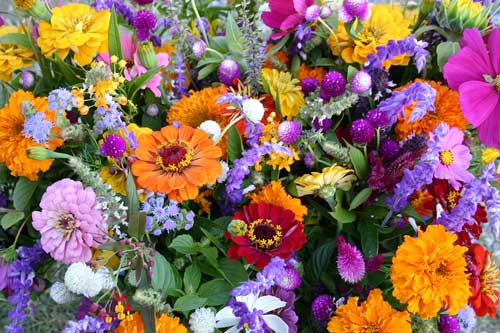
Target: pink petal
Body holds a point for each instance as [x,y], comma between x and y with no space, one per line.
[472,38]
[162,59]
[273,20]
[284,7]
[453,138]
[128,46]
[465,65]
[494,46]
[300,6]
[291,22]
[489,131]
[478,100]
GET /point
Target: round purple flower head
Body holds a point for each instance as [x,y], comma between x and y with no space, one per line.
[373,264]
[290,279]
[448,324]
[308,159]
[152,110]
[377,118]
[312,13]
[27,79]
[354,8]
[228,71]
[389,149]
[309,85]
[361,82]
[332,85]
[350,261]
[113,146]
[289,131]
[199,48]
[323,125]
[361,131]
[322,307]
[143,2]
[144,22]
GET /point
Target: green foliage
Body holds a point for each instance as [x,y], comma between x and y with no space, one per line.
[23,193]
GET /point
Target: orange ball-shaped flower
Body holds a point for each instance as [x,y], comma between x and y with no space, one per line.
[176,161]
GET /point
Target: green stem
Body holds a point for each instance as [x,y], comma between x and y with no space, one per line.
[232,123]
[200,22]
[19,233]
[435,28]
[332,33]
[215,51]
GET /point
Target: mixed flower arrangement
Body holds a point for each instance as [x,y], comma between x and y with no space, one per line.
[250,166]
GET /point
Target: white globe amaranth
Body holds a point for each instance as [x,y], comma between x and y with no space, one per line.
[202,321]
[80,279]
[253,110]
[223,176]
[211,128]
[60,293]
[105,277]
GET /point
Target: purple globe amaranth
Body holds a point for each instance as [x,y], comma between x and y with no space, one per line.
[228,71]
[312,13]
[323,125]
[332,85]
[290,280]
[361,82]
[361,131]
[377,118]
[389,149]
[199,48]
[448,324]
[144,22]
[350,261]
[113,146]
[309,85]
[143,2]
[27,79]
[373,264]
[289,131]
[354,8]
[322,307]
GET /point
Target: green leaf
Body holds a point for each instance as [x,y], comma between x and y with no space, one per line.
[113,246]
[233,34]
[137,220]
[216,292]
[294,68]
[210,253]
[207,70]
[188,303]
[184,244]
[164,277]
[341,214]
[192,278]
[23,192]
[444,51]
[209,60]
[324,62]
[351,70]
[369,238]
[321,258]
[213,239]
[148,318]
[278,46]
[114,42]
[359,162]
[10,219]
[19,39]
[360,198]
[234,144]
[66,70]
[137,83]
[234,270]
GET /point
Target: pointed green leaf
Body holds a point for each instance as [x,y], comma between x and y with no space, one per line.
[360,198]
[184,244]
[192,278]
[188,303]
[207,70]
[137,83]
[216,292]
[23,192]
[359,162]
[233,34]
[234,144]
[114,42]
[10,219]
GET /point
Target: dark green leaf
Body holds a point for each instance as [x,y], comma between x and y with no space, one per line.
[158,280]
[189,302]
[19,39]
[341,214]
[184,244]
[66,70]
[234,144]
[360,198]
[369,238]
[233,34]
[294,68]
[137,83]
[10,219]
[324,62]
[213,239]
[359,162]
[207,70]
[114,42]
[192,278]
[321,258]
[137,221]
[23,192]
[234,270]
[113,246]
[277,46]
[216,292]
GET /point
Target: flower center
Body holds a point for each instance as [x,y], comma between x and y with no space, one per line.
[65,224]
[489,280]
[263,235]
[446,157]
[372,328]
[441,270]
[129,63]
[452,198]
[173,157]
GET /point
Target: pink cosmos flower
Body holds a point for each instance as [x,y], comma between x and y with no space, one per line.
[475,72]
[70,221]
[134,66]
[454,159]
[286,15]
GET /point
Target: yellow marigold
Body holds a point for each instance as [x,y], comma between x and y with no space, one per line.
[164,324]
[12,57]
[428,273]
[24,4]
[385,23]
[75,27]
[13,143]
[203,201]
[315,72]
[274,193]
[373,315]
[446,109]
[283,87]
[282,161]
[326,181]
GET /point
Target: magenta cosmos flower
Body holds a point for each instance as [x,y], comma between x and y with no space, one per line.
[286,15]
[475,72]
[454,159]
[70,222]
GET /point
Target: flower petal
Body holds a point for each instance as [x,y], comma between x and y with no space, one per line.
[478,100]
[494,46]
[268,303]
[276,323]
[488,132]
[225,318]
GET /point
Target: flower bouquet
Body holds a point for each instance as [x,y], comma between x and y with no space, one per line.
[250,166]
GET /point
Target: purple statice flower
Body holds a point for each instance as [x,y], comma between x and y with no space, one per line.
[37,128]
[113,146]
[108,118]
[467,319]
[409,45]
[354,8]
[380,81]
[87,324]
[332,85]
[309,85]
[361,131]
[448,324]
[350,261]
[144,22]
[121,8]
[180,77]
[289,131]
[60,100]
[420,92]
[163,214]
[302,35]
[322,307]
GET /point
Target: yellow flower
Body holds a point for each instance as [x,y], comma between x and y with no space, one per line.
[489,155]
[12,57]
[105,258]
[115,178]
[24,4]
[164,324]
[429,273]
[385,23]
[285,90]
[326,181]
[373,315]
[77,28]
[282,161]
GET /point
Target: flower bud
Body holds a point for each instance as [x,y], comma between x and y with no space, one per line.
[147,55]
[237,228]
[228,71]
[34,8]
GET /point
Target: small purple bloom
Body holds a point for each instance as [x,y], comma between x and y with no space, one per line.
[144,22]
[60,100]
[323,125]
[204,25]
[373,264]
[377,118]
[27,80]
[354,8]
[113,146]
[143,2]
[332,85]
[361,131]
[199,48]
[350,261]
[389,149]
[290,279]
[448,324]
[37,128]
[228,71]
[152,110]
[308,159]
[4,200]
[289,131]
[361,82]
[309,85]
[312,13]
[120,7]
[322,307]
[87,324]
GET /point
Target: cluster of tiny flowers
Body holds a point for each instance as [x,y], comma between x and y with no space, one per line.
[164,214]
[60,100]
[108,118]
[37,128]
[87,324]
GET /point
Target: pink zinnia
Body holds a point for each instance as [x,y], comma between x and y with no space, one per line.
[350,261]
[286,15]
[475,72]
[70,222]
[454,159]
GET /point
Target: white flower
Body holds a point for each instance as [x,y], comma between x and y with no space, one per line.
[80,279]
[202,321]
[226,317]
[253,110]
[60,293]
[211,128]
[104,276]
[225,168]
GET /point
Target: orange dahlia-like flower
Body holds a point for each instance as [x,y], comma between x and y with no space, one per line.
[176,161]
[447,109]
[13,143]
[315,72]
[429,273]
[164,324]
[373,315]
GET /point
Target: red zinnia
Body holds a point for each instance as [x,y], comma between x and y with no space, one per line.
[272,231]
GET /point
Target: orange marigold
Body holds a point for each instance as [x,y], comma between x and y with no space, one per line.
[274,193]
[13,143]
[447,109]
[373,315]
[176,161]
[280,56]
[429,273]
[315,72]
[133,324]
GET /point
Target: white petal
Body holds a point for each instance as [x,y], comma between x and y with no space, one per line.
[276,323]
[225,318]
[233,330]
[269,303]
[249,300]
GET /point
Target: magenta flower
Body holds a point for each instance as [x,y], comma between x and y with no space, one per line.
[4,273]
[475,72]
[354,8]
[454,159]
[70,222]
[350,261]
[286,15]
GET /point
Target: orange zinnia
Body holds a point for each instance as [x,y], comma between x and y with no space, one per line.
[176,161]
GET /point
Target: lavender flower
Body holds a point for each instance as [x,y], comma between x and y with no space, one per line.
[180,78]
[120,7]
[108,119]
[87,324]
[144,22]
[467,319]
[354,8]
[202,26]
[60,100]
[37,128]
[253,132]
[350,261]
[164,214]
[302,36]
[270,276]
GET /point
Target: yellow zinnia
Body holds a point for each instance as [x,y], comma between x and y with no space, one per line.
[12,57]
[385,23]
[77,28]
[324,183]
[285,90]
[429,273]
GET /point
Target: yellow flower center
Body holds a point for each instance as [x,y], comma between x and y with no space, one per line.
[263,235]
[373,328]
[174,157]
[496,82]
[452,198]
[446,157]
[370,34]
[76,23]
[490,279]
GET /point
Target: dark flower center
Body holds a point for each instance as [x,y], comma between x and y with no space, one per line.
[442,270]
[65,224]
[174,158]
[263,235]
[130,63]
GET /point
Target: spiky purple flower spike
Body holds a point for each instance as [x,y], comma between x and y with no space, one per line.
[350,261]
[228,71]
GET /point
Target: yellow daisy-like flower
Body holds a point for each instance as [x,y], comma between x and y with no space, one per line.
[429,273]
[373,315]
[285,90]
[115,178]
[326,181]
[12,57]
[385,23]
[274,193]
[75,27]
[489,155]
[133,324]
[281,161]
